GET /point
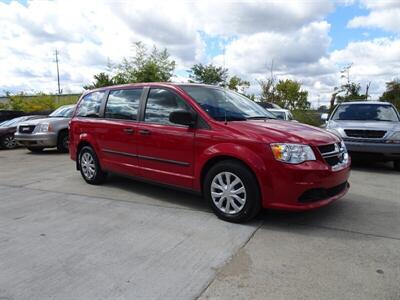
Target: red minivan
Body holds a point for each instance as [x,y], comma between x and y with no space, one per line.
[209,140]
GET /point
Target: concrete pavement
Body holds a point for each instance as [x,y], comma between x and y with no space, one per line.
[63,239]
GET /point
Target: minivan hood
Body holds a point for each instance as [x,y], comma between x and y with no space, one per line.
[283,131]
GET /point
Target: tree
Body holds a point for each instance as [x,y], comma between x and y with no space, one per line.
[290,96]
[208,74]
[392,93]
[268,90]
[237,84]
[100,80]
[156,66]
[352,92]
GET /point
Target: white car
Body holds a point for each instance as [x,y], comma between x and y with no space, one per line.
[282,114]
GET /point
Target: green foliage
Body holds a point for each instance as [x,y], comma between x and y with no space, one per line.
[290,96]
[4,106]
[237,84]
[100,80]
[40,102]
[286,93]
[310,117]
[156,66]
[268,90]
[392,93]
[351,93]
[208,74]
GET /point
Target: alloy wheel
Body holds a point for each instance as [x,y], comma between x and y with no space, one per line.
[228,193]
[9,142]
[88,165]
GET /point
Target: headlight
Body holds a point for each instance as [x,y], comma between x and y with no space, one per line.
[394,138]
[292,153]
[343,147]
[43,127]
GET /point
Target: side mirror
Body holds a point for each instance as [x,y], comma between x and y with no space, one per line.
[183,118]
[324,117]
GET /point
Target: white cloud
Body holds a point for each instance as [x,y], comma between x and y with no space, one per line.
[294,34]
[250,17]
[383,15]
[387,19]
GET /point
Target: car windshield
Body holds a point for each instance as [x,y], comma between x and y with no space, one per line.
[12,122]
[279,114]
[226,105]
[62,112]
[366,112]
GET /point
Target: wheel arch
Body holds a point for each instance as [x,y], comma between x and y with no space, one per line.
[216,159]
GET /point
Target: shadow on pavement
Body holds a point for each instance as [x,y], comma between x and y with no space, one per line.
[164,194]
[46,152]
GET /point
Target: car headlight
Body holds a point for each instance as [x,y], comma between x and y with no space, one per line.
[343,147]
[394,138]
[292,153]
[43,127]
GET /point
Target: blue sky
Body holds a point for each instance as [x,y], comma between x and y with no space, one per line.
[309,41]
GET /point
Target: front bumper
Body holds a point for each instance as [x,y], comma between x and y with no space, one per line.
[47,139]
[306,186]
[388,150]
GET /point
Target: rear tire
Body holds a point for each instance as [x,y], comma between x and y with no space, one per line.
[35,150]
[63,142]
[396,165]
[8,142]
[90,167]
[232,191]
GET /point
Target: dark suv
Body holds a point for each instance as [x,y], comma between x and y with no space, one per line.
[208,140]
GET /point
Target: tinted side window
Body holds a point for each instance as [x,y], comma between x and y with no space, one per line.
[160,103]
[90,105]
[123,104]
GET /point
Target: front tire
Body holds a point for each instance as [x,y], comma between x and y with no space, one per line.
[90,167]
[232,191]
[8,142]
[63,142]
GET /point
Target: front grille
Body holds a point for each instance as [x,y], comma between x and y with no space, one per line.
[26,128]
[365,134]
[333,154]
[318,194]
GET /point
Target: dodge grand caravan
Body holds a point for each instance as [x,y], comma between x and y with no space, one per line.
[208,140]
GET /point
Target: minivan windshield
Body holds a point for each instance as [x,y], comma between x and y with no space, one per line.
[62,112]
[366,112]
[227,105]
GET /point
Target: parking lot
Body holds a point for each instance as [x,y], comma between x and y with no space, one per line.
[61,238]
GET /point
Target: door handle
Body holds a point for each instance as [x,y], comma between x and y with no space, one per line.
[144,132]
[128,130]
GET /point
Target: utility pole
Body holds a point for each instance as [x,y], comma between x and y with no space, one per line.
[366,90]
[58,73]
